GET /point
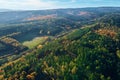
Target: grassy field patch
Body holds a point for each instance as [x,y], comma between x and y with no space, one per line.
[33,43]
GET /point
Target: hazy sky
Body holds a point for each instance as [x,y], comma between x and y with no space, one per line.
[53,4]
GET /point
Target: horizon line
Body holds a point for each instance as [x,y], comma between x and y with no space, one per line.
[60,8]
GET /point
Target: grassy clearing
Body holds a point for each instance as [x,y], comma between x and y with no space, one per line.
[33,43]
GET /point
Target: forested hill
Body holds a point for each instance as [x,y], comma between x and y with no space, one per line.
[88,53]
[111,19]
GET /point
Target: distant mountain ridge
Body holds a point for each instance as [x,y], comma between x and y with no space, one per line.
[8,16]
[5,10]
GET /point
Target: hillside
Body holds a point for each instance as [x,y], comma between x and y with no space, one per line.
[60,44]
[90,52]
